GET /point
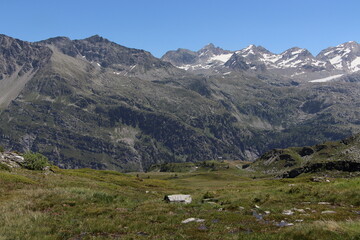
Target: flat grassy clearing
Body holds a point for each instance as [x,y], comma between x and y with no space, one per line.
[91,204]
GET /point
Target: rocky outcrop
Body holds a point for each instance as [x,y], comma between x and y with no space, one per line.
[345,166]
[11,159]
[329,156]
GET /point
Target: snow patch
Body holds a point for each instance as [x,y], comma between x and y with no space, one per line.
[336,62]
[297,52]
[222,57]
[327,79]
[132,68]
[355,65]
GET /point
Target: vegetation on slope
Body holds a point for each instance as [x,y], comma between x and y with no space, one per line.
[93,204]
[342,155]
[93,103]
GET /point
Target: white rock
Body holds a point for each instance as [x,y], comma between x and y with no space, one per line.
[193,220]
[328,212]
[188,220]
[288,212]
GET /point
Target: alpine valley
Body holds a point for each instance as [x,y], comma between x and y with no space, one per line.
[94,103]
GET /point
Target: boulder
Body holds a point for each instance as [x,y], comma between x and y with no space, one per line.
[178,198]
[11,159]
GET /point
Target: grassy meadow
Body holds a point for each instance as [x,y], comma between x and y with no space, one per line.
[228,202]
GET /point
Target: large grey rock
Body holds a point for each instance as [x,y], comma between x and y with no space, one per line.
[11,159]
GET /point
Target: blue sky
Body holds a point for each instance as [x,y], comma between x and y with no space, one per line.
[161,25]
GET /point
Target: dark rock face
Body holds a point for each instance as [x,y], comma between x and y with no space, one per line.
[330,156]
[345,166]
[180,56]
[237,62]
[109,54]
[19,56]
[306,151]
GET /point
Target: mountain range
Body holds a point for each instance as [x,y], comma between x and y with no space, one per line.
[94,103]
[295,63]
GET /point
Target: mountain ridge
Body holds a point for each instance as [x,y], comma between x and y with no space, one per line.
[89,105]
[294,63]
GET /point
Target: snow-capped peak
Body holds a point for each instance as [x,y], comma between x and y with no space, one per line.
[344,57]
[295,62]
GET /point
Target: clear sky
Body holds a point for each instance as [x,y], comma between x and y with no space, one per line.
[161,25]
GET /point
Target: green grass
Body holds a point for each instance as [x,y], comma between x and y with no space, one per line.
[91,204]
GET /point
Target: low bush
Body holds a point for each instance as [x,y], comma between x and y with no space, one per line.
[35,161]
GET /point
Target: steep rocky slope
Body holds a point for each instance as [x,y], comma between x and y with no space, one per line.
[19,61]
[94,103]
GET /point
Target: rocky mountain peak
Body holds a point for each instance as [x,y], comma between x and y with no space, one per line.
[180,57]
[20,56]
[344,57]
[210,46]
[211,49]
[253,50]
[350,45]
[97,39]
[207,57]
[296,52]
[59,39]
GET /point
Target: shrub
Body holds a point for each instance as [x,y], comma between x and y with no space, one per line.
[209,195]
[35,161]
[2,149]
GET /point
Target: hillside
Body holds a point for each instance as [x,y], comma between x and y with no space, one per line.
[227,203]
[342,156]
[94,103]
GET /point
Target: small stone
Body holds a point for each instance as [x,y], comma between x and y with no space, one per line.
[324,203]
[288,212]
[299,220]
[193,220]
[202,227]
[188,220]
[267,212]
[328,212]
[284,224]
[257,215]
[142,233]
[299,210]
[257,206]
